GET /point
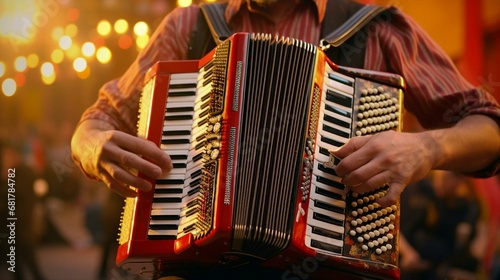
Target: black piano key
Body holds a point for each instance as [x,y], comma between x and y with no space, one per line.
[168,191]
[331,141]
[324,151]
[327,170]
[176,132]
[329,194]
[338,111]
[163,227]
[195,182]
[193,191]
[180,109]
[335,131]
[181,93]
[174,141]
[188,228]
[192,203]
[327,219]
[329,207]
[198,157]
[336,121]
[181,86]
[178,157]
[338,98]
[165,217]
[178,118]
[199,145]
[191,212]
[330,183]
[196,173]
[179,165]
[327,233]
[326,246]
[167,199]
[339,79]
[170,181]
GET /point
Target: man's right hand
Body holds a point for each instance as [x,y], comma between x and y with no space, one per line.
[114,157]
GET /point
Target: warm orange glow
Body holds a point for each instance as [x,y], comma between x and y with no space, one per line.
[20,79]
[73,14]
[84,74]
[125,41]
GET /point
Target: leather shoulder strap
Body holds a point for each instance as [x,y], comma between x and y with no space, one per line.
[210,30]
[349,27]
[342,20]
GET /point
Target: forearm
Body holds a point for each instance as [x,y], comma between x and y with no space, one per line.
[471,145]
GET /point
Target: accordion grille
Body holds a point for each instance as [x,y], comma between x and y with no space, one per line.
[273,128]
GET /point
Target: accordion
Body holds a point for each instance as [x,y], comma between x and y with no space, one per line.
[249,128]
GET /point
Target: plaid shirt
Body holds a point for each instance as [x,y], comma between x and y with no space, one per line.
[436,92]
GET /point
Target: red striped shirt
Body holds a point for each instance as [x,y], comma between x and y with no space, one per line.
[436,92]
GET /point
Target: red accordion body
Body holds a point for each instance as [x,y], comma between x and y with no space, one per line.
[248,128]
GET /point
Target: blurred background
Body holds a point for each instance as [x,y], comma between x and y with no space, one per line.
[54,56]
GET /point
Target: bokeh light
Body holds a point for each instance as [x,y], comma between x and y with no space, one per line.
[9,87]
[73,14]
[20,79]
[125,42]
[65,42]
[32,60]
[142,41]
[2,68]
[20,63]
[47,69]
[121,26]
[88,49]
[57,56]
[141,28]
[104,28]
[184,3]
[80,64]
[57,33]
[84,74]
[71,30]
[103,55]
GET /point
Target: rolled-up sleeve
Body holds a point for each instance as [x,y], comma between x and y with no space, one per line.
[436,92]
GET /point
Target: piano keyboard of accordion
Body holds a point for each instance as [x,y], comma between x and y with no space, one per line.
[248,128]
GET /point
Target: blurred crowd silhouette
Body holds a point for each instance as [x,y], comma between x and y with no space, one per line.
[449,222]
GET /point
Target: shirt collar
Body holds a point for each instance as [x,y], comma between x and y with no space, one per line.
[234,6]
